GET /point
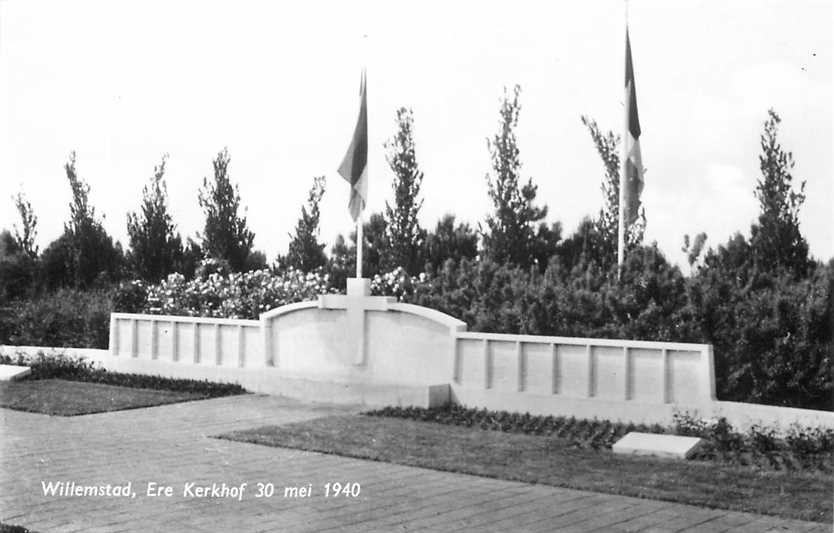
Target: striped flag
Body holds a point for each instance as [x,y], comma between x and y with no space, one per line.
[633,164]
[354,167]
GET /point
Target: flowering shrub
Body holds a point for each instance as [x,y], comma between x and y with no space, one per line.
[220,294]
[130,296]
[399,284]
[234,295]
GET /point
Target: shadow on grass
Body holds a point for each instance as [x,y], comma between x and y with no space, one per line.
[554,461]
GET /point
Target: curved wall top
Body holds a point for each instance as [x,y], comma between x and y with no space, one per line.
[289,308]
[430,314]
[368,303]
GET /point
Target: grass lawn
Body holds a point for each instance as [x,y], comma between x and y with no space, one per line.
[67,398]
[805,495]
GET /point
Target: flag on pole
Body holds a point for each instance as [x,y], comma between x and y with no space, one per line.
[632,164]
[354,167]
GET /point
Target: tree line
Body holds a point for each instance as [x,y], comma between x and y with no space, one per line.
[513,233]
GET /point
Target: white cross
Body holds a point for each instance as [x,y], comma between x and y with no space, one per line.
[357,302]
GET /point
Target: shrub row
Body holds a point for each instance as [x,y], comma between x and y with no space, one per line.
[771,331]
[65,318]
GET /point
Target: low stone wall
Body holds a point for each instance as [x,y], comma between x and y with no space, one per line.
[613,370]
[201,341]
[636,381]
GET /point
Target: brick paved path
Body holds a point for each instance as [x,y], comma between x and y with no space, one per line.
[171,445]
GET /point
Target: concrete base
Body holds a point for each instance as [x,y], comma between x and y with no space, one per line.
[346,392]
[12,372]
[562,405]
[668,446]
[271,380]
[359,287]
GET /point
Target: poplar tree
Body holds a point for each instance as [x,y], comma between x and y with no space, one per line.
[155,247]
[776,240]
[27,232]
[403,232]
[92,253]
[305,252]
[510,235]
[450,240]
[225,235]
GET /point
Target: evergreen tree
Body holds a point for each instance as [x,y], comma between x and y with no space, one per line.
[404,234]
[374,232]
[225,235]
[776,240]
[155,248]
[694,249]
[450,241]
[342,264]
[8,244]
[305,252]
[511,229]
[28,231]
[92,256]
[607,223]
[585,246]
[256,260]
[189,261]
[16,268]
[546,244]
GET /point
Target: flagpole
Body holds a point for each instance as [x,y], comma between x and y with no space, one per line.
[359,242]
[621,225]
[354,169]
[623,177]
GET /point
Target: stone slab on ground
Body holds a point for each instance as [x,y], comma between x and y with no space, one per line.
[12,372]
[668,446]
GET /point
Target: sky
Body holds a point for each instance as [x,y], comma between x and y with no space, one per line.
[122,83]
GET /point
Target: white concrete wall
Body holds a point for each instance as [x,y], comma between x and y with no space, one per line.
[187,340]
[646,373]
[411,344]
[310,340]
